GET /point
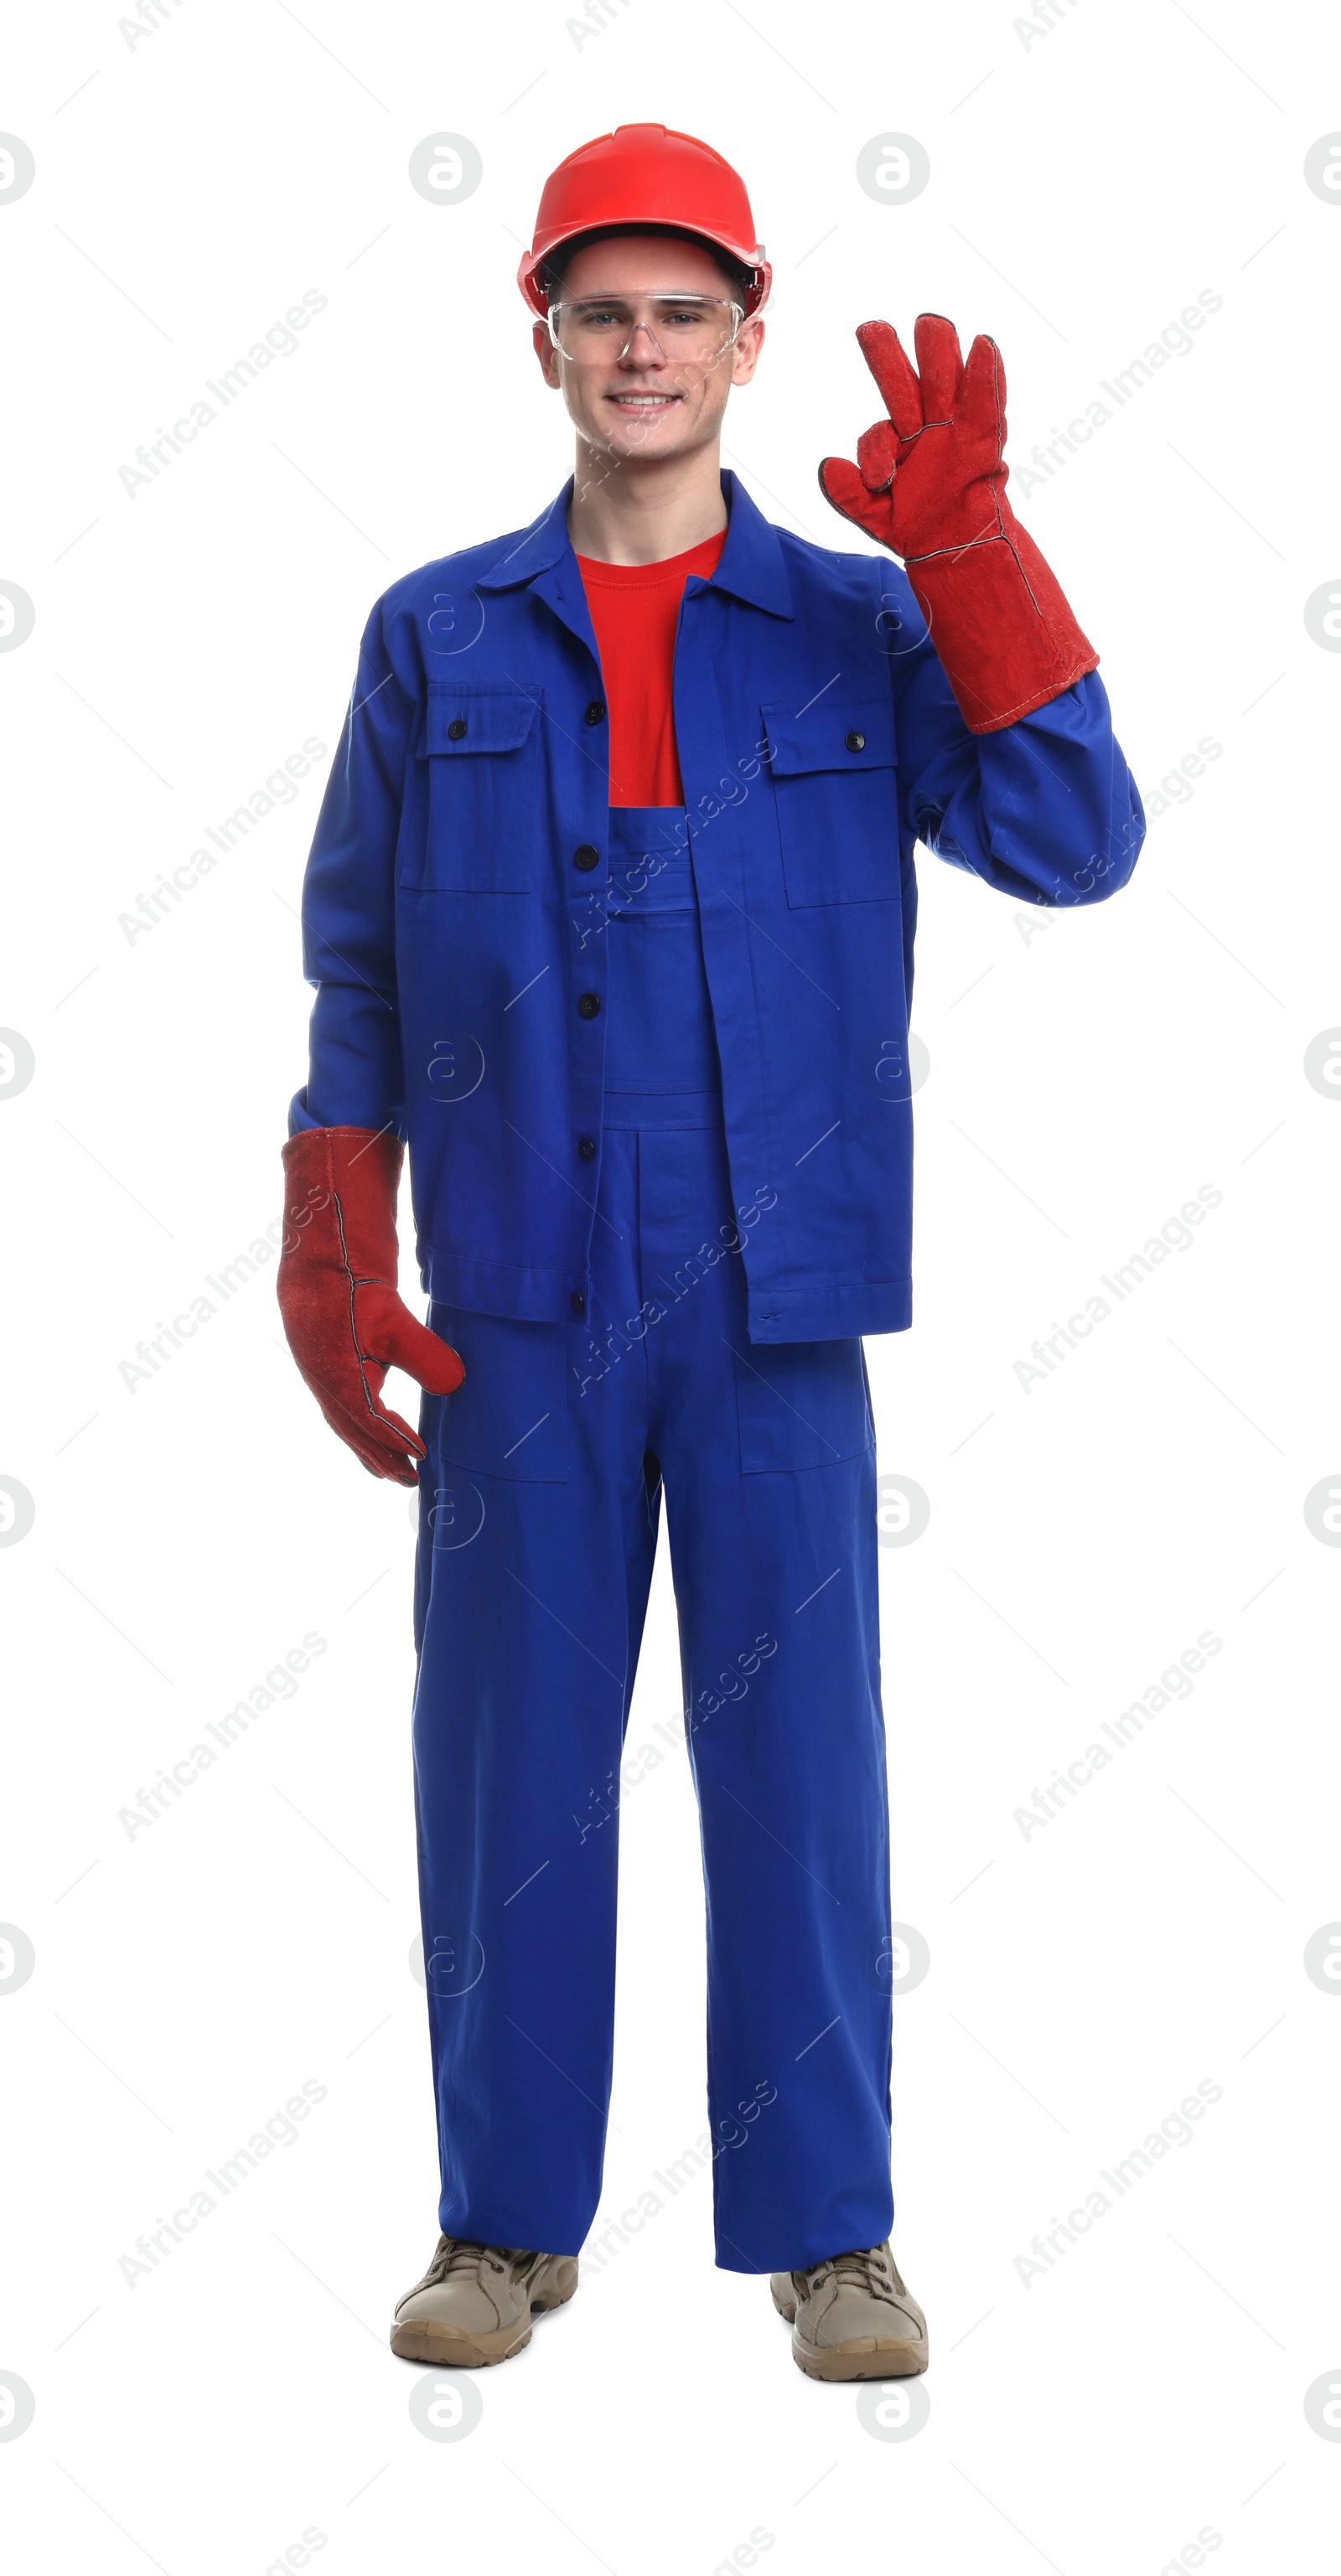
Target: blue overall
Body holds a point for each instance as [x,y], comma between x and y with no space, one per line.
[541,1498]
[652,1071]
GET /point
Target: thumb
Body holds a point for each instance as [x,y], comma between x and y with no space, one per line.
[392,1335]
[426,1357]
[844,488]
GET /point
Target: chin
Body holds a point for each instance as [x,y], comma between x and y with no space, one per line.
[670,439]
[667,439]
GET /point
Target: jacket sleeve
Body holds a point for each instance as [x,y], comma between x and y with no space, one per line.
[355,1076]
[1046,810]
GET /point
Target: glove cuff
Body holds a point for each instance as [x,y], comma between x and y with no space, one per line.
[1002,626]
[340,1190]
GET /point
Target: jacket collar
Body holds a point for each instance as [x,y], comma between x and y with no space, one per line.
[751,566]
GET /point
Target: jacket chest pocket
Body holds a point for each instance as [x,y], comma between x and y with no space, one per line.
[481,748]
[835,788]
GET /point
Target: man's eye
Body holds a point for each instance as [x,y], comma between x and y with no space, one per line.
[601,317]
[683,316]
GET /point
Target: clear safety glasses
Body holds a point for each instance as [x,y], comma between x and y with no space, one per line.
[692,329]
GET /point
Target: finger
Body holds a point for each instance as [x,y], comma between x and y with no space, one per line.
[982,403]
[382,1415]
[380,1425]
[379,1461]
[355,1410]
[939,364]
[844,490]
[386,1464]
[877,454]
[356,1431]
[368,1422]
[887,359]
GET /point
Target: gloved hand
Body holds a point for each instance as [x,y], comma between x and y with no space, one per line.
[930,483]
[343,1317]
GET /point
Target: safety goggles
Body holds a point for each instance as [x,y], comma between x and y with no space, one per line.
[693,329]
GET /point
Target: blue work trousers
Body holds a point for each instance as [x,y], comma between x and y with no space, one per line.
[541,1498]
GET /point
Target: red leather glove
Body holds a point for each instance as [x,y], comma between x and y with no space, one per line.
[343,1317]
[930,483]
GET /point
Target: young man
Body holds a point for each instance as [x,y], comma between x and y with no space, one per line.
[610,914]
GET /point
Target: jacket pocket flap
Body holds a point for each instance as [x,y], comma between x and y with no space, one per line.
[837,732]
[460,721]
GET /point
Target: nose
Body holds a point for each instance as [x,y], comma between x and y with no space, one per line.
[629,355]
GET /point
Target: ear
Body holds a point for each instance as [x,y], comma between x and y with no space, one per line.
[547,354]
[745,352]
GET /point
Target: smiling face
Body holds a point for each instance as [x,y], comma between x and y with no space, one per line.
[649,402]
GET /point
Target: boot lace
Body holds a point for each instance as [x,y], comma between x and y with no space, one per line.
[868,2268]
[458,2254]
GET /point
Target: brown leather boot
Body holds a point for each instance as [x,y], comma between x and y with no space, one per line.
[475,2303]
[852,2318]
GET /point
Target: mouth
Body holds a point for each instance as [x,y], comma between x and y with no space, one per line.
[643,406]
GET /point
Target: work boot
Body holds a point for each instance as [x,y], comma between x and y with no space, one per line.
[475,2303]
[852,2318]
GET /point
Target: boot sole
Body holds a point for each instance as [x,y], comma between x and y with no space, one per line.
[424,2339]
[865,2359]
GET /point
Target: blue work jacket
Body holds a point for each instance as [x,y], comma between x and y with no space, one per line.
[455,901]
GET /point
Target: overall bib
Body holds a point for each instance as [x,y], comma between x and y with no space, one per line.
[540,1504]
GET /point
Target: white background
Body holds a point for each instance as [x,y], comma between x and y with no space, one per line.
[1084,1082]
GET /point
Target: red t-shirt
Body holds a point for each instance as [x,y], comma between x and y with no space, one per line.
[635,609]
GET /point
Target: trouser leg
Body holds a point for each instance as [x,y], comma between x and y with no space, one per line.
[776,1581]
[531,1596]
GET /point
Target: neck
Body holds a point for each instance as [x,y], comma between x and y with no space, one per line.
[622,512]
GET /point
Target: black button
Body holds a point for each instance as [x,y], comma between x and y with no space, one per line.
[589,1004]
[855,741]
[456,728]
[586,857]
[586,1146]
[596,711]
[578,1302]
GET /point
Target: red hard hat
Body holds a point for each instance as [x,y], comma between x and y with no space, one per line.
[646,174]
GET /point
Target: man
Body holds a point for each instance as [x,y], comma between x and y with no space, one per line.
[610,914]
